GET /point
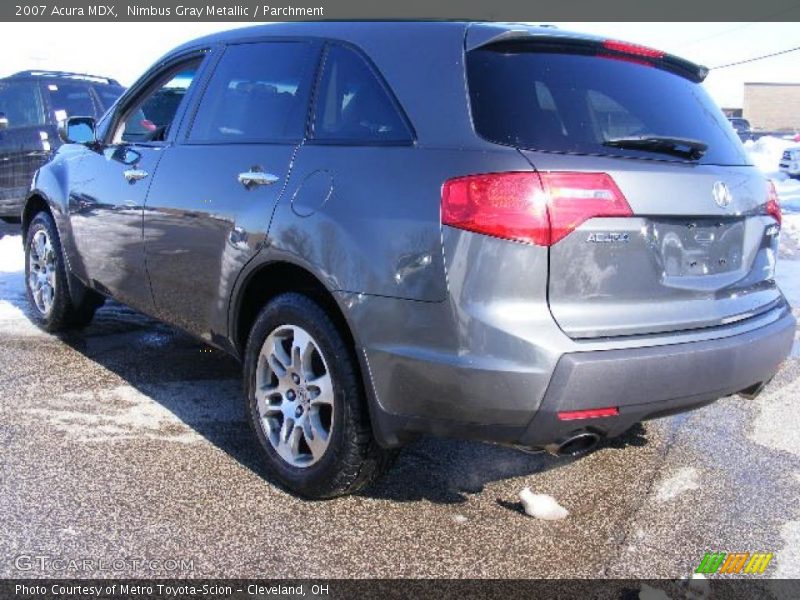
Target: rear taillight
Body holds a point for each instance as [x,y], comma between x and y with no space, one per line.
[527,207]
[773,206]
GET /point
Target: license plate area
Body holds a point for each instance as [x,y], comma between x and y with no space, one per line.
[697,247]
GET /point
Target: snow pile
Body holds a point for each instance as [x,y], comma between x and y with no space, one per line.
[541,506]
[12,256]
[788,193]
[766,152]
[790,236]
[686,479]
[13,320]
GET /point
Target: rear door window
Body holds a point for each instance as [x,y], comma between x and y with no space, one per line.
[70,100]
[572,103]
[259,93]
[353,106]
[21,104]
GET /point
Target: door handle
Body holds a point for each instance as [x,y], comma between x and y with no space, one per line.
[133,175]
[254,178]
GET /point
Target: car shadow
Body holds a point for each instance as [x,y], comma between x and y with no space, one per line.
[446,471]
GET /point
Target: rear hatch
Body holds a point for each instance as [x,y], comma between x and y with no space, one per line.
[695,242]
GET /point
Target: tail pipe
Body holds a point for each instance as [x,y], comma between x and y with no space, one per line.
[575,445]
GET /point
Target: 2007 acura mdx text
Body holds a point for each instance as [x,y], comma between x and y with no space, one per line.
[506,233]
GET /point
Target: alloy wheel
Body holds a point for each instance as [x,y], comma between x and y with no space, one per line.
[42,271]
[294,396]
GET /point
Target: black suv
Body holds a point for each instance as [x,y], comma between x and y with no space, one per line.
[31,105]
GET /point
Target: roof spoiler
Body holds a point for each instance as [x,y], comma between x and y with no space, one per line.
[555,40]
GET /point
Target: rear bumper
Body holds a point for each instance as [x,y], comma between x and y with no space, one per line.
[470,399]
[653,382]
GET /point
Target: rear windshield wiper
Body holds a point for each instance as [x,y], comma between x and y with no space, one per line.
[683,147]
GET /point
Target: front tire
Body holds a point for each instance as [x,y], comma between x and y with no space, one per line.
[46,281]
[306,404]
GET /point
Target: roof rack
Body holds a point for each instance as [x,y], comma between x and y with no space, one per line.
[67,75]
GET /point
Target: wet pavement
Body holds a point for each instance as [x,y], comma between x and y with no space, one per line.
[127,443]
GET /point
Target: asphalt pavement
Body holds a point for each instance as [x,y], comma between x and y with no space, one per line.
[125,454]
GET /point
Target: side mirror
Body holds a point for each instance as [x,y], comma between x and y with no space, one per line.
[77,130]
[3,121]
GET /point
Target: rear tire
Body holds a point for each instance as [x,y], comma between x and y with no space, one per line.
[305,402]
[46,281]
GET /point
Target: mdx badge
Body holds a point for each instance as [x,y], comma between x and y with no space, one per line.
[610,237]
[721,193]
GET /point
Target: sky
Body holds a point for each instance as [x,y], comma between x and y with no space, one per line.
[108,48]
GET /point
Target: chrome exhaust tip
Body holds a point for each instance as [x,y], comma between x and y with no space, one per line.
[577,445]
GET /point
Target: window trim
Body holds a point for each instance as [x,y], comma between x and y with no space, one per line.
[316,46]
[146,85]
[378,76]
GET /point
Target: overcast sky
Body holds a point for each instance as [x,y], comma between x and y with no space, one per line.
[125,50]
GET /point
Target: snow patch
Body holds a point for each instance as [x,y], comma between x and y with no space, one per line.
[13,320]
[542,506]
[12,255]
[460,519]
[787,275]
[683,480]
[790,236]
[168,411]
[766,152]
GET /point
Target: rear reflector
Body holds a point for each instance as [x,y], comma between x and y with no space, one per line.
[773,206]
[536,208]
[593,413]
[632,49]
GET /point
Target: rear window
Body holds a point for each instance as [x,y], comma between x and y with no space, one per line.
[572,103]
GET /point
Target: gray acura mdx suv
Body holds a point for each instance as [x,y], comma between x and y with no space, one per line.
[500,232]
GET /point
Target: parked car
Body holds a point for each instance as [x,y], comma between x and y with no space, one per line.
[542,262]
[742,128]
[31,105]
[790,162]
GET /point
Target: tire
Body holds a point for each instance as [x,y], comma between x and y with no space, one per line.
[46,281]
[314,432]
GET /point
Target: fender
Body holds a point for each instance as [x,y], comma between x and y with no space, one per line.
[50,185]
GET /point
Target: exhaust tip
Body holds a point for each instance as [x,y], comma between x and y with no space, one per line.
[577,445]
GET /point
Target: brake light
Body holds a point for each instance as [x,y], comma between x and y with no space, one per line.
[773,205]
[632,49]
[592,413]
[539,209]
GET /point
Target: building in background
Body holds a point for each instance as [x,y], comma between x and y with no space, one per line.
[772,106]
